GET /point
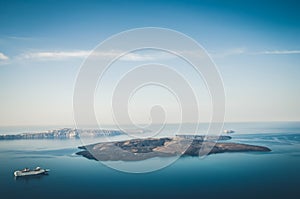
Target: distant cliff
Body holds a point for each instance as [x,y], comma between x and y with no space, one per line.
[65,133]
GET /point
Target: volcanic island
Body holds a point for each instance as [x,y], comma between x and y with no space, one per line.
[180,145]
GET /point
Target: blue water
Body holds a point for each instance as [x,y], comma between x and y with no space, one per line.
[229,175]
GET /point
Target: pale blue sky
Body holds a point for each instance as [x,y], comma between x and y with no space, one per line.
[255,45]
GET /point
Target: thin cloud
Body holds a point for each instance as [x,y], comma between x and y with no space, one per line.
[135,56]
[62,55]
[243,51]
[229,52]
[54,55]
[149,56]
[21,38]
[3,56]
[280,52]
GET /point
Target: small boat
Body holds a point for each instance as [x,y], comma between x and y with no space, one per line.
[28,172]
[228,131]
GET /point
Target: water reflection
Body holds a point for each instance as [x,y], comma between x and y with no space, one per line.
[32,177]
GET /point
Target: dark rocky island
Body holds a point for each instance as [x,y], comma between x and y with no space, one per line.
[65,133]
[141,149]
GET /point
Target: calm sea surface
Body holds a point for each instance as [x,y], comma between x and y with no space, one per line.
[229,175]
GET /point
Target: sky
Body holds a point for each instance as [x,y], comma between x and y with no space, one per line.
[255,45]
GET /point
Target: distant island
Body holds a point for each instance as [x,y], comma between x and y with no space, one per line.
[141,149]
[65,133]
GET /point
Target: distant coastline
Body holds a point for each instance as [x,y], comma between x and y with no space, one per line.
[64,133]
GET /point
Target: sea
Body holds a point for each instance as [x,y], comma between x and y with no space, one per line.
[254,175]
